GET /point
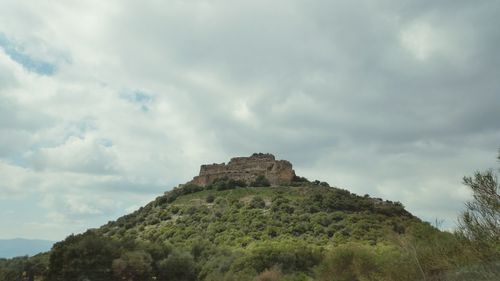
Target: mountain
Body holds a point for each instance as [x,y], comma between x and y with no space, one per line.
[255,219]
[21,247]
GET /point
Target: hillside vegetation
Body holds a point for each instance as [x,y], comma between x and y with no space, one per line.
[228,231]
[241,217]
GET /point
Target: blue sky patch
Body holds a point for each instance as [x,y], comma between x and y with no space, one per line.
[138,97]
[17,54]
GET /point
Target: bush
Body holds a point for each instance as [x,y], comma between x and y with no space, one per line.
[257,203]
[289,257]
[225,184]
[177,267]
[190,188]
[135,265]
[348,262]
[210,198]
[273,274]
[300,179]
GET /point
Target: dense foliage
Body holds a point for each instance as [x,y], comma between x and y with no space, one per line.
[227,231]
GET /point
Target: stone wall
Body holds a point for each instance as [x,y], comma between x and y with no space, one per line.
[247,169]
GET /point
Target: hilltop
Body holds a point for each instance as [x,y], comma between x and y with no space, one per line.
[248,171]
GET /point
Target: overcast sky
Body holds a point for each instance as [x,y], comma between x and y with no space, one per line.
[104,105]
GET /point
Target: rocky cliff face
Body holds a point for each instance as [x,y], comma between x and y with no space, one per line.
[247,169]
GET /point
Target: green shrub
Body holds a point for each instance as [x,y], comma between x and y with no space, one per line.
[177,267]
[135,265]
[83,256]
[257,203]
[272,274]
[225,184]
[348,262]
[210,198]
[289,257]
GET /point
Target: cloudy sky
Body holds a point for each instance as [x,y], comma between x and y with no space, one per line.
[104,105]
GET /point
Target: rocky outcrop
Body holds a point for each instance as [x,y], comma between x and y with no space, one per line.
[247,169]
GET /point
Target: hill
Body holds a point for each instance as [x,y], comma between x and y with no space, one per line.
[21,247]
[254,219]
[225,231]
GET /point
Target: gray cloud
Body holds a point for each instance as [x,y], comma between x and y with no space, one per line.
[396,99]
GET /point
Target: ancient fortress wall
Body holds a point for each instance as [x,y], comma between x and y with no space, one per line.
[247,169]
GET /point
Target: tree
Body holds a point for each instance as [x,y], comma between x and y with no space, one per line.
[83,256]
[133,266]
[480,221]
[177,267]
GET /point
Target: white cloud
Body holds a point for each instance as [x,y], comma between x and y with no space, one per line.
[395,99]
[85,155]
[16,181]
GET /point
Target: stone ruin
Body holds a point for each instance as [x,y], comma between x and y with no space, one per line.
[247,169]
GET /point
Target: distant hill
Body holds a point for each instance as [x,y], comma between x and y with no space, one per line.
[21,247]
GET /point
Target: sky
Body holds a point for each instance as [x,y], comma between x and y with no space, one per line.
[105,105]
